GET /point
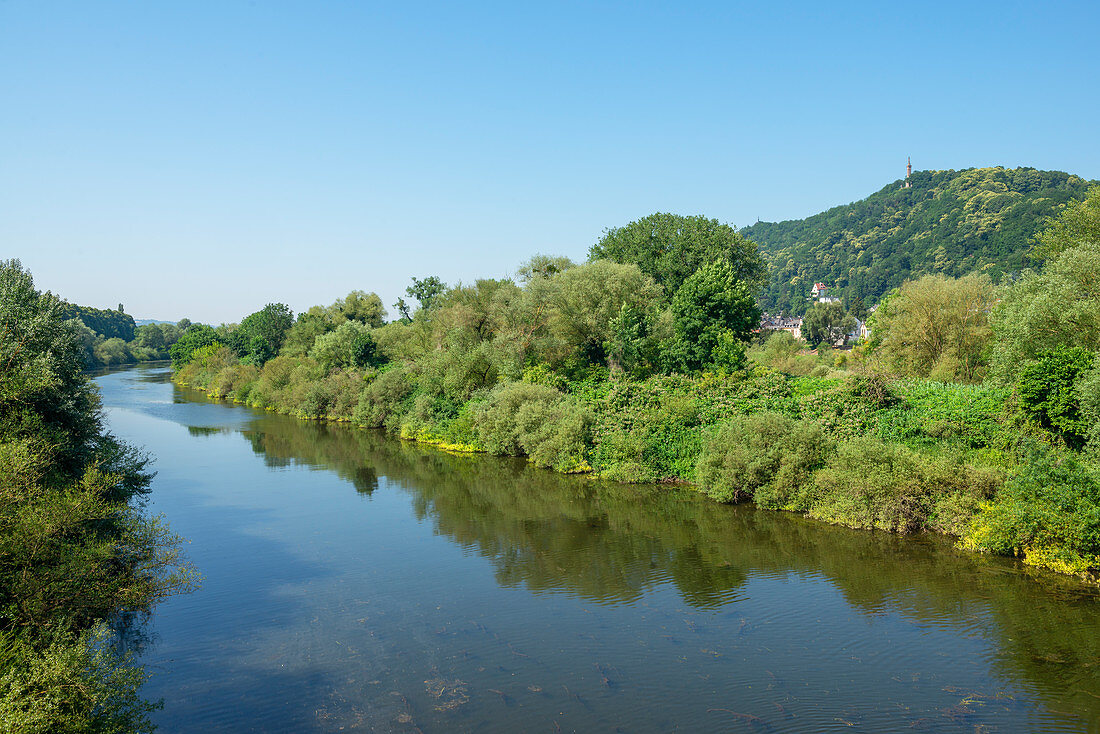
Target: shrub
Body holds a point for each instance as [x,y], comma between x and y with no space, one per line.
[385,400]
[766,456]
[555,435]
[496,419]
[1048,394]
[1048,513]
[876,485]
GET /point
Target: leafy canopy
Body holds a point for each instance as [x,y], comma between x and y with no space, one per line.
[670,247]
[712,309]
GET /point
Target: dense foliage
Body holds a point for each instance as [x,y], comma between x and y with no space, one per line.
[75,551]
[669,248]
[107,323]
[949,223]
[597,367]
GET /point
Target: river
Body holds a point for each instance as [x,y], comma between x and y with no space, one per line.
[356,582]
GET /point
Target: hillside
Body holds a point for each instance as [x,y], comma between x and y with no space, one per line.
[950,222]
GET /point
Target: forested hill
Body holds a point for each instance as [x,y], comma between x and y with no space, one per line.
[950,222]
[107,323]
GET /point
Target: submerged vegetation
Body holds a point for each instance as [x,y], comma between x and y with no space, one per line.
[77,554]
[645,364]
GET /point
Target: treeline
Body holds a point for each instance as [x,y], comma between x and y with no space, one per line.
[109,338]
[971,412]
[949,223]
[109,324]
[76,551]
[148,343]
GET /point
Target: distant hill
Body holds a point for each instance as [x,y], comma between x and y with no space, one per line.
[146,322]
[950,222]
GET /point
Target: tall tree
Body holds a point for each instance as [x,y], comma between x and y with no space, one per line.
[261,334]
[711,312]
[937,327]
[1058,306]
[426,291]
[670,247]
[826,323]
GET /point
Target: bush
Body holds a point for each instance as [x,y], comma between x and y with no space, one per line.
[1048,392]
[496,419]
[384,400]
[1049,514]
[765,456]
[556,435]
[648,430]
[883,486]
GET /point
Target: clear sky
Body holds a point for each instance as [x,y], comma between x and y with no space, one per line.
[202,159]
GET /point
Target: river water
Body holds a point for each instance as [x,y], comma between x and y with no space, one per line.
[355,582]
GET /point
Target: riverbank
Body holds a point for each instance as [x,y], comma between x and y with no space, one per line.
[343,565]
[901,456]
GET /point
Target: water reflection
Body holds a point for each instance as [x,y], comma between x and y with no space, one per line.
[610,543]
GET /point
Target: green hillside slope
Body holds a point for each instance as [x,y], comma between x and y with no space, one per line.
[950,222]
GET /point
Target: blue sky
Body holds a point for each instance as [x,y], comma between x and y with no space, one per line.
[203,159]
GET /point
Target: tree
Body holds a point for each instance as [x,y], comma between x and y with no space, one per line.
[403,309]
[635,338]
[112,351]
[310,325]
[360,306]
[543,266]
[1058,306]
[426,291]
[711,309]
[586,299]
[261,334]
[670,247]
[349,345]
[73,551]
[1077,225]
[826,323]
[937,327]
[1048,392]
[196,337]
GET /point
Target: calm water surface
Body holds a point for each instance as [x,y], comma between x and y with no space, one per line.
[356,582]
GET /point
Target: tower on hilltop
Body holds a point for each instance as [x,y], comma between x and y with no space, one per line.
[908,173]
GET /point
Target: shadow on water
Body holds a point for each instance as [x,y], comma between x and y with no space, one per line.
[621,548]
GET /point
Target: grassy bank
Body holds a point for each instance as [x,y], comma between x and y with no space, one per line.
[893,455]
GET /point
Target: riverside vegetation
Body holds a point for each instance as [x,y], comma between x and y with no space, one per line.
[79,560]
[973,411]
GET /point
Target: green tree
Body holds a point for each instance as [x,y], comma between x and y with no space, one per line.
[73,551]
[261,334]
[1048,392]
[826,323]
[113,352]
[349,345]
[1076,225]
[543,266]
[711,307]
[587,298]
[366,308]
[937,327]
[87,339]
[635,337]
[307,328]
[1058,306]
[426,291]
[670,247]
[196,337]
